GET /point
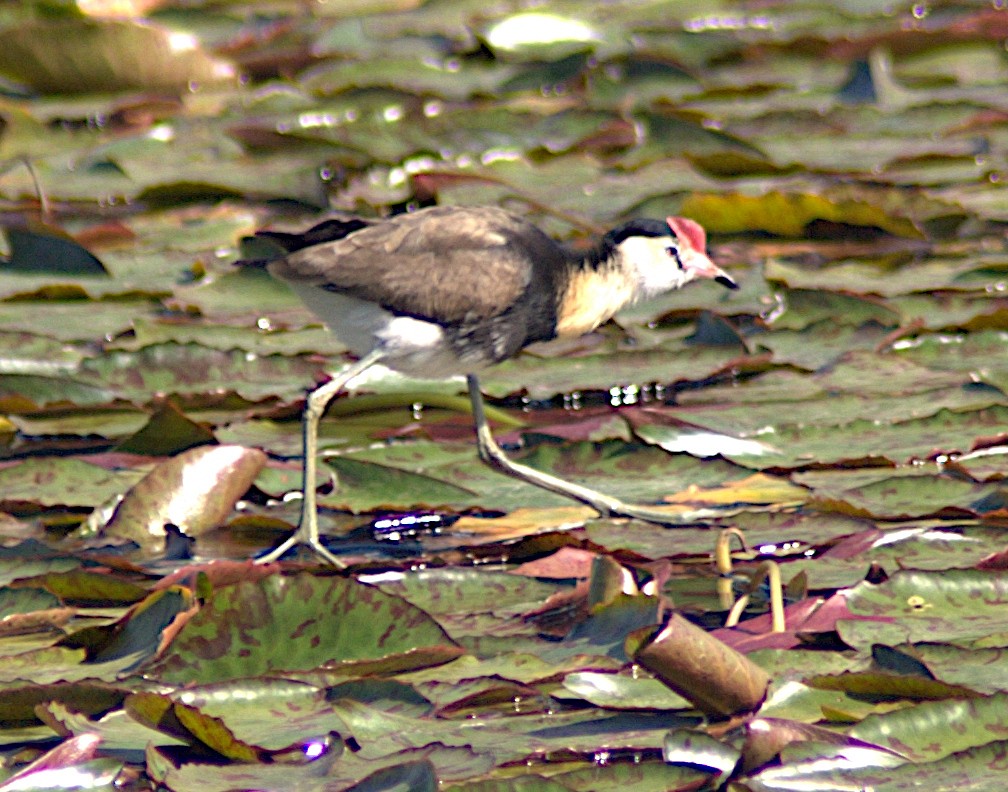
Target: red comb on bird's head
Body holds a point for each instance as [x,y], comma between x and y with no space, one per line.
[689,231]
[693,247]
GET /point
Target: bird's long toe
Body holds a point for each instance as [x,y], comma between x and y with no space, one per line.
[301,539]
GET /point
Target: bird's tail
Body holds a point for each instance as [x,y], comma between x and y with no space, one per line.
[267,246]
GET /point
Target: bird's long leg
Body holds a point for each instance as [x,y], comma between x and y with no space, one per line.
[307,532]
[606,505]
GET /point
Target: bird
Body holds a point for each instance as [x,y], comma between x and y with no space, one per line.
[446,291]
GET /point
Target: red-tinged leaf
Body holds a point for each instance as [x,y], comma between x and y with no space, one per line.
[139,633]
[767,737]
[854,545]
[110,233]
[589,424]
[218,573]
[69,758]
[491,696]
[565,563]
[803,620]
[994,562]
[172,629]
[40,621]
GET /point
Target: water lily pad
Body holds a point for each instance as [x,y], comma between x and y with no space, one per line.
[619,691]
[912,732]
[789,214]
[193,491]
[105,55]
[960,605]
[68,482]
[266,619]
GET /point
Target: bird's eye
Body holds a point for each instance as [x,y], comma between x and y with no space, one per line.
[673,251]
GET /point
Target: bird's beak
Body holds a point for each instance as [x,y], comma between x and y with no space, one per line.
[700,265]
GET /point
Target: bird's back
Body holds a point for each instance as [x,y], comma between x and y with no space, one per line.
[483,277]
[445,264]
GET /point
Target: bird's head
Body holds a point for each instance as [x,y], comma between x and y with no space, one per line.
[664,255]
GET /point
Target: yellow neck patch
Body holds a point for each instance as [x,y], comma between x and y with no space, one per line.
[592,297]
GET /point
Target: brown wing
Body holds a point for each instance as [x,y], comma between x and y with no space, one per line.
[444,263]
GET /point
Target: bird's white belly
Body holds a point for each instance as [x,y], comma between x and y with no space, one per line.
[411,346]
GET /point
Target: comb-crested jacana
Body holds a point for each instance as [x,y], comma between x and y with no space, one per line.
[446,291]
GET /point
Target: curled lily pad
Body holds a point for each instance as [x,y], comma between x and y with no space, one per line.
[195,491]
[715,678]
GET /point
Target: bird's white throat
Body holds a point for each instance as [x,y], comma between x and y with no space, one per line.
[652,271]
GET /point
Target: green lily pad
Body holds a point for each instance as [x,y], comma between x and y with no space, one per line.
[788,214]
[914,732]
[62,482]
[619,691]
[960,605]
[258,628]
[105,55]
